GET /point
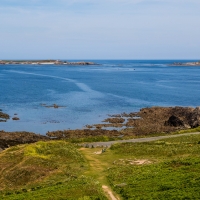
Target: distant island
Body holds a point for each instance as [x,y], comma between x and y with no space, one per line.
[186,64]
[44,62]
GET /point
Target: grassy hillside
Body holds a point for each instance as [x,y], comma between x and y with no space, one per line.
[167,169]
[164,169]
[46,170]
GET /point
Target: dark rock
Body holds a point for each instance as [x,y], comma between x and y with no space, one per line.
[160,120]
[174,121]
[15,118]
[8,139]
[4,115]
[194,120]
[114,120]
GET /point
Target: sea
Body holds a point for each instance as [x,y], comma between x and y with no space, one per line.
[89,94]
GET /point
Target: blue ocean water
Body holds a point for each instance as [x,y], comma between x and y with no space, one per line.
[89,93]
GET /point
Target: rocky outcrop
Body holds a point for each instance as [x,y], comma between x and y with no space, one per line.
[174,121]
[154,120]
[70,134]
[3,116]
[115,120]
[145,122]
[80,63]
[15,118]
[8,139]
[164,119]
[194,118]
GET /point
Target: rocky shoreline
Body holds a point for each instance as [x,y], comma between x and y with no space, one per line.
[44,62]
[8,139]
[186,64]
[147,121]
[3,116]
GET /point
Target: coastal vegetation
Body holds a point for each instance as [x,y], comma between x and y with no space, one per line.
[163,169]
[46,170]
[60,166]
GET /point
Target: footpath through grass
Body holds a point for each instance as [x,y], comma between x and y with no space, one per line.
[46,170]
[163,169]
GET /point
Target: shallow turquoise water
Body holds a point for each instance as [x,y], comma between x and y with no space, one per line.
[89,93]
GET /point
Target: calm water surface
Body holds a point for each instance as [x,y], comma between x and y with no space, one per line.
[89,93]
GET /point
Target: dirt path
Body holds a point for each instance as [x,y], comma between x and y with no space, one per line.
[98,162]
[96,170]
[149,139]
[109,192]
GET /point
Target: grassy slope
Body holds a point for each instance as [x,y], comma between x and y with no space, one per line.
[58,170]
[46,170]
[174,171]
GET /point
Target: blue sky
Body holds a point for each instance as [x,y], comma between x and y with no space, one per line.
[93,29]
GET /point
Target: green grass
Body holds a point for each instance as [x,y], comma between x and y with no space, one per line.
[173,171]
[162,149]
[46,170]
[105,138]
[197,129]
[83,188]
[60,170]
[177,179]
[93,139]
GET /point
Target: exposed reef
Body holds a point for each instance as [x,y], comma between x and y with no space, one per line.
[3,116]
[147,121]
[71,134]
[153,120]
[52,106]
[44,62]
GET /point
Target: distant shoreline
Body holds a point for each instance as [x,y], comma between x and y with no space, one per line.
[186,64]
[44,62]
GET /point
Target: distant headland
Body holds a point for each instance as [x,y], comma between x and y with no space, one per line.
[186,64]
[44,62]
